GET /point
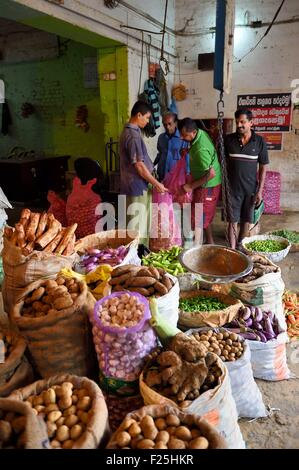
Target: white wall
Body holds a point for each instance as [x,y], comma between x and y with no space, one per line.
[270,68]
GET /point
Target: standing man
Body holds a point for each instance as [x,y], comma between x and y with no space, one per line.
[169,146]
[136,169]
[247,155]
[205,171]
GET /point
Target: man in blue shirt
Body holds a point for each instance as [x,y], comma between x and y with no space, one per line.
[169,146]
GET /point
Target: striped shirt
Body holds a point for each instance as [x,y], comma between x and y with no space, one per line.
[243,161]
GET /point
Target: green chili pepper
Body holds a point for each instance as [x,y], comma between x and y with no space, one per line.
[265,246]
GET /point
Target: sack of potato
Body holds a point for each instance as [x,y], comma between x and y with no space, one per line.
[53,318]
[38,247]
[197,382]
[119,407]
[204,308]
[123,338]
[149,282]
[15,370]
[73,409]
[20,428]
[235,352]
[165,427]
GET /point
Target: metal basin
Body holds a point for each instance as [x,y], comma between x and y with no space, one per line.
[216,263]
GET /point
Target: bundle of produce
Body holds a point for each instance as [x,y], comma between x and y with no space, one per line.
[206,308]
[146,281]
[273,247]
[72,407]
[261,266]
[254,324]
[119,407]
[15,371]
[97,280]
[123,338]
[20,428]
[95,257]
[291,310]
[53,317]
[42,232]
[165,427]
[165,259]
[235,352]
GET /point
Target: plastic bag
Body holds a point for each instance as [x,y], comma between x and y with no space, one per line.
[121,351]
[81,207]
[57,207]
[165,232]
[175,180]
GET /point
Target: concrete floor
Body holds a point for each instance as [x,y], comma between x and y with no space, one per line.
[281,429]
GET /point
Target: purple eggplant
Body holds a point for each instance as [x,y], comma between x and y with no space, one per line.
[269,336]
[257,326]
[262,336]
[248,322]
[271,315]
[258,314]
[268,326]
[249,335]
[246,313]
[234,330]
[234,324]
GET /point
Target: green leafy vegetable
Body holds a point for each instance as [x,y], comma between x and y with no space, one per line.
[290,235]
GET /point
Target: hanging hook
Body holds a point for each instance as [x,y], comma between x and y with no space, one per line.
[220,102]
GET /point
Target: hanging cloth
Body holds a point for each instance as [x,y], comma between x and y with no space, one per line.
[153,98]
[160,82]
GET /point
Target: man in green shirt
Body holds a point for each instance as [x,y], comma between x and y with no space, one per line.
[206,173]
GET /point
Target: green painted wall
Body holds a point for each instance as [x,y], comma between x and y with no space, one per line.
[55,87]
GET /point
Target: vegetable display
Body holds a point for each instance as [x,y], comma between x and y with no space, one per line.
[201,304]
[51,296]
[291,311]
[290,235]
[146,281]
[42,232]
[254,324]
[184,371]
[165,259]
[94,257]
[261,266]
[265,246]
[12,427]
[66,411]
[225,344]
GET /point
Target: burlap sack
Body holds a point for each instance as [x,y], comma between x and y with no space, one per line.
[108,239]
[20,270]
[35,429]
[97,429]
[160,411]
[213,318]
[15,371]
[59,342]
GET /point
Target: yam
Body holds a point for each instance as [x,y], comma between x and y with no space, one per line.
[142,281]
[42,224]
[49,235]
[159,287]
[54,243]
[32,226]
[68,235]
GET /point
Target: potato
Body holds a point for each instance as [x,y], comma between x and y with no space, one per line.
[63,433]
[5,431]
[53,416]
[160,445]
[171,430]
[55,444]
[37,400]
[76,431]
[68,444]
[84,403]
[123,438]
[148,427]
[135,441]
[49,396]
[163,436]
[173,420]
[182,432]
[160,424]
[175,443]
[82,392]
[65,402]
[74,399]
[37,294]
[199,443]
[145,444]
[51,428]
[51,284]
[71,420]
[60,280]
[63,302]
[51,407]
[195,433]
[70,411]
[134,430]
[60,421]
[127,423]
[18,424]
[84,417]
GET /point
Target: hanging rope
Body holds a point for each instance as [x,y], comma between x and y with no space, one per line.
[162,58]
[141,65]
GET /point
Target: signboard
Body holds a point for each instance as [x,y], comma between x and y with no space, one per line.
[273,140]
[271,112]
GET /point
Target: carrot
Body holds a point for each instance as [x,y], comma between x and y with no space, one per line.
[291,319]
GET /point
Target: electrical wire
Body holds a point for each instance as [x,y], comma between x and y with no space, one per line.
[265,34]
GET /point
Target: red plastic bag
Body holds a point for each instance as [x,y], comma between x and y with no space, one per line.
[175,180]
[81,207]
[57,207]
[165,232]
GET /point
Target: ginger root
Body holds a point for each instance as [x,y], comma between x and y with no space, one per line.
[187,348]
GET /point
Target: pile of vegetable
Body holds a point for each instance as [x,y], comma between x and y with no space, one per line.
[201,304]
[51,296]
[167,432]
[225,344]
[265,246]
[94,257]
[184,371]
[42,232]
[66,411]
[290,235]
[261,266]
[12,427]
[291,310]
[165,259]
[146,281]
[254,324]
[124,311]
[6,345]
